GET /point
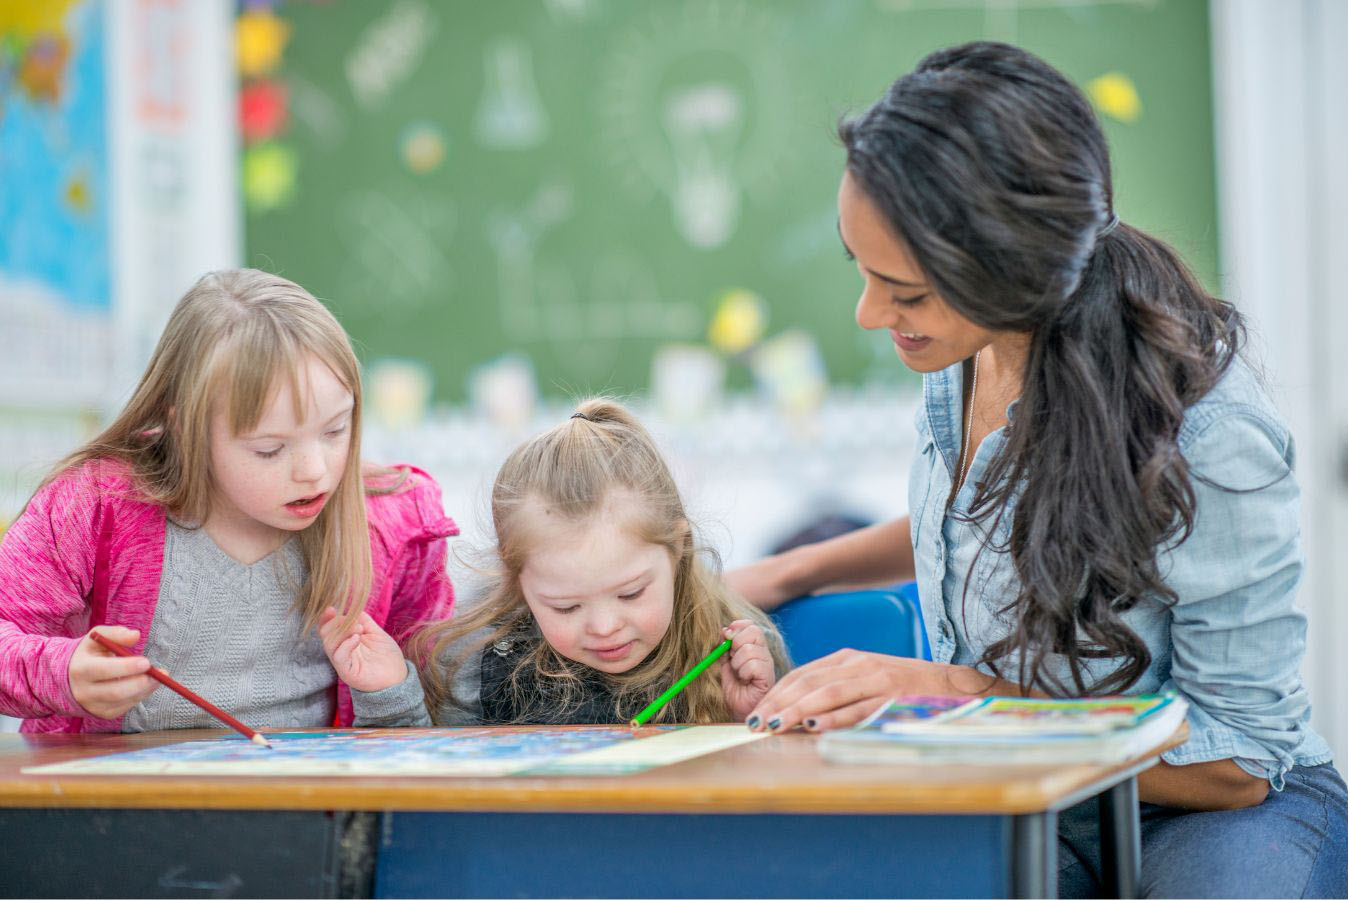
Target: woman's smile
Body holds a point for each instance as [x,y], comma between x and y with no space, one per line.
[910,342]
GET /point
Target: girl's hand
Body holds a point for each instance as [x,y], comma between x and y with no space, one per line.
[104,684]
[366,658]
[747,673]
[843,688]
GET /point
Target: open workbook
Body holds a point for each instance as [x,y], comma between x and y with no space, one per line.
[1008,730]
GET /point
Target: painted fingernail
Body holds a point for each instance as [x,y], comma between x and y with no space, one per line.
[812,724]
[753,723]
[775,722]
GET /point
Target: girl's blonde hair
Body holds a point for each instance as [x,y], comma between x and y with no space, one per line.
[574,469]
[231,339]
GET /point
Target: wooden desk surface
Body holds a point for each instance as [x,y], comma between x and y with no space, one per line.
[781,774]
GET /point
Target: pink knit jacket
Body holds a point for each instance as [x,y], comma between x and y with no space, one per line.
[47,574]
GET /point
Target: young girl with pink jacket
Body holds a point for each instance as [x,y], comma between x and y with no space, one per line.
[217,521]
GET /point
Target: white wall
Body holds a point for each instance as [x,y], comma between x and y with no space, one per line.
[174,163]
[750,476]
[1282,137]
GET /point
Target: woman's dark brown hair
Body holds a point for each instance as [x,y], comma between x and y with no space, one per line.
[993,170]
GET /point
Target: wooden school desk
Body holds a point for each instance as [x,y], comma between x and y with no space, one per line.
[769,818]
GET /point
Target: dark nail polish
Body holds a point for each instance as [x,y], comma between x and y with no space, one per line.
[812,724]
[775,722]
[753,722]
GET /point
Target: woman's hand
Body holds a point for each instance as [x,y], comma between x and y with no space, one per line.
[763,583]
[845,687]
[104,684]
[748,673]
[366,658]
[876,555]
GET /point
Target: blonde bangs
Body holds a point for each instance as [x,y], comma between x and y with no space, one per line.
[270,352]
[252,376]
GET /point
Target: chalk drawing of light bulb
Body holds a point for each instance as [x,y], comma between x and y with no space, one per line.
[509,114]
[703,124]
[696,105]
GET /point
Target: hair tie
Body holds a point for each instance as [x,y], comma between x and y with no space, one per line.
[1109,226]
[581,415]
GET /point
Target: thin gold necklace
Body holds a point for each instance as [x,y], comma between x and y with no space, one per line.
[969,427]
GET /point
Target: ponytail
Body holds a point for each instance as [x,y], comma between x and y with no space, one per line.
[1092,462]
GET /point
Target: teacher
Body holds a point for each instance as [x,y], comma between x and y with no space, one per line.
[1102,497]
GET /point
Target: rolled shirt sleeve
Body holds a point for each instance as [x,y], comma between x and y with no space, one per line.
[1238,638]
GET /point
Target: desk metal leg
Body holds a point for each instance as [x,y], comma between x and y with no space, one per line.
[1120,840]
[1034,855]
[357,852]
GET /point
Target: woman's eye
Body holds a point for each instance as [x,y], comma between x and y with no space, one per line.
[337,431]
[910,301]
[634,595]
[267,454]
[566,610]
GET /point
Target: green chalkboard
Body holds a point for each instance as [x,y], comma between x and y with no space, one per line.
[580,180]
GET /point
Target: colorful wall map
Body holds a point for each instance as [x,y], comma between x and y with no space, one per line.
[53,153]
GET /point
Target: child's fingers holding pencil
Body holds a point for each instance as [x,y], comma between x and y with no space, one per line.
[748,671]
[96,669]
[747,642]
[752,662]
[94,662]
[118,634]
[742,631]
[162,677]
[117,695]
[104,684]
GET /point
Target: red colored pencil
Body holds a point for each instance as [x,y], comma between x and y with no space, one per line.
[163,678]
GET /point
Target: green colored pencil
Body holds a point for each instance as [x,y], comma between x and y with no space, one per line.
[658,703]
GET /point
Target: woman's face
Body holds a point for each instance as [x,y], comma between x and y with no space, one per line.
[928,335]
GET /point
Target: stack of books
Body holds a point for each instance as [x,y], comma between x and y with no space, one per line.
[1008,730]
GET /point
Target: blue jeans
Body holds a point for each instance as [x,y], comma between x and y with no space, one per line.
[1294,844]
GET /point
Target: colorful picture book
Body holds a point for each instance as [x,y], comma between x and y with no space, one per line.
[1008,730]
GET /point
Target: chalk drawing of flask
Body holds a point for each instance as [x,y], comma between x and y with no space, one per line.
[509,115]
[703,126]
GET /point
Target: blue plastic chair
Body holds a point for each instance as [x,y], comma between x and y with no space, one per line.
[888,621]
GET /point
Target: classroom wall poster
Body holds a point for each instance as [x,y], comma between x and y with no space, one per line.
[55,278]
[55,296]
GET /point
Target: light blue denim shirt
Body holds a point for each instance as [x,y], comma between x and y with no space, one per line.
[1234,642]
